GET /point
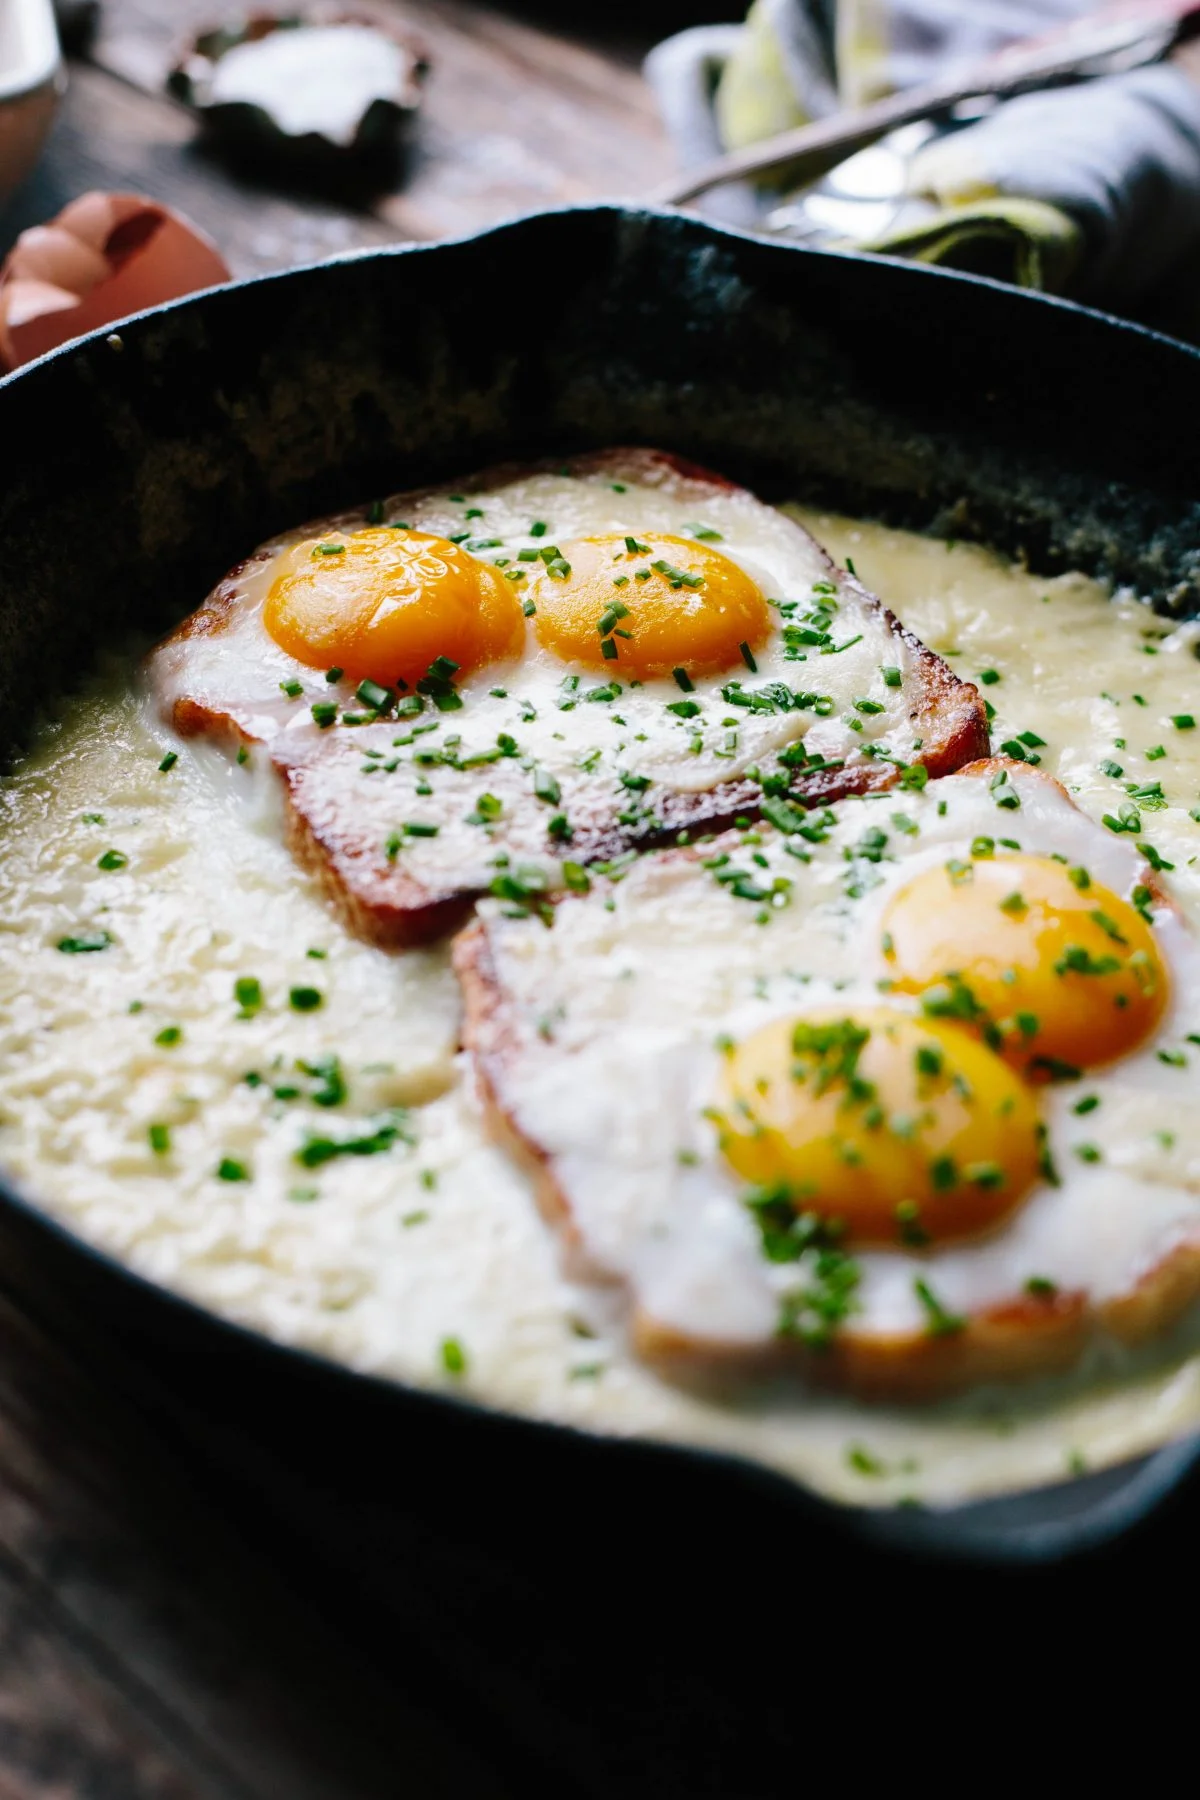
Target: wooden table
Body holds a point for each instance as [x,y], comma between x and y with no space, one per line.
[516,116]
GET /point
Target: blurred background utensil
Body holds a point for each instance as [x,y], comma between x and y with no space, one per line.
[1102,44]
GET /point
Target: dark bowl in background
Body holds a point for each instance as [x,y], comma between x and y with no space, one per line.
[137,465]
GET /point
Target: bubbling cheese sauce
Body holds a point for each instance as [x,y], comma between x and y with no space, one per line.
[204,1075]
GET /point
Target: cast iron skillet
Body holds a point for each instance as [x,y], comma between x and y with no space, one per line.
[136,466]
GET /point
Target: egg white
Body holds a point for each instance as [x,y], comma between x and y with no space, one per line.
[563,733]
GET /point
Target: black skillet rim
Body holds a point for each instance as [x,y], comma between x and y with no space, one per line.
[975,1532]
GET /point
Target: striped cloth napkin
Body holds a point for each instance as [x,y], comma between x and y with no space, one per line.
[1091,190]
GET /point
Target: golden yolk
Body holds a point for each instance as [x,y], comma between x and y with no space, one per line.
[905,1131]
[665,603]
[1050,967]
[384,604]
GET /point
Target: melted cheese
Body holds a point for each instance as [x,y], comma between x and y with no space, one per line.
[382,1268]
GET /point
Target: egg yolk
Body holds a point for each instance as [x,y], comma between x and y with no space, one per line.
[1055,971]
[905,1131]
[383,604]
[644,606]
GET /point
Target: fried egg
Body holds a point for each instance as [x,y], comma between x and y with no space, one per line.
[116,834]
[901,1093]
[495,688]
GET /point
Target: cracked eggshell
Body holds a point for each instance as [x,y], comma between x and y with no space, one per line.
[104,256]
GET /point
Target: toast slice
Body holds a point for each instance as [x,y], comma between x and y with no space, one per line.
[597,1046]
[541,770]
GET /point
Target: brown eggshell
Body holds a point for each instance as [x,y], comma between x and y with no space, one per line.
[105,256]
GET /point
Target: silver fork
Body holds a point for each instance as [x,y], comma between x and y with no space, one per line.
[1102,44]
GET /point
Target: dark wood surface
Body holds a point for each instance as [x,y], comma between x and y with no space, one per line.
[149,1650]
[517,114]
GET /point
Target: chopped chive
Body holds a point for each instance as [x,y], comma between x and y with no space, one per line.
[862,1462]
[612,613]
[324,713]
[293,689]
[748,658]
[891,675]
[454,1357]
[938,1321]
[487,810]
[247,991]
[371,694]
[169,1036]
[230,1170]
[85,942]
[305,999]
[112,859]
[168,762]
[160,1138]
